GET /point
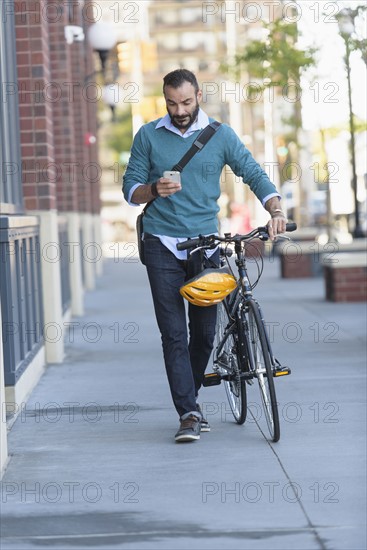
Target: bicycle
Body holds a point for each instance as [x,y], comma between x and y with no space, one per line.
[242,352]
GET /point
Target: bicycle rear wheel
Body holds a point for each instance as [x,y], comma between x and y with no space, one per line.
[263,369]
[227,362]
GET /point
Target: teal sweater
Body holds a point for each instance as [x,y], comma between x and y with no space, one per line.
[193,210]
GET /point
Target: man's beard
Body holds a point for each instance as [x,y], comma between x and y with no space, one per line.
[178,121]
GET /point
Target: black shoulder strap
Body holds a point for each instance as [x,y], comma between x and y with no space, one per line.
[198,144]
[202,139]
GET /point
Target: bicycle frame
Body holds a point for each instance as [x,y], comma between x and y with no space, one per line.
[243,350]
[235,304]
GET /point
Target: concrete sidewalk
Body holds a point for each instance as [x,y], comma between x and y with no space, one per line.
[94,463]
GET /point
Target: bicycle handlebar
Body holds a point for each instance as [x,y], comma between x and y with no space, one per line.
[291,226]
[212,239]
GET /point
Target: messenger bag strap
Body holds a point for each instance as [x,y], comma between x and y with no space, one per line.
[202,139]
[198,144]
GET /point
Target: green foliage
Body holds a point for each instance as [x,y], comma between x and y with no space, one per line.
[276,59]
[359,126]
[361,46]
[120,133]
[357,41]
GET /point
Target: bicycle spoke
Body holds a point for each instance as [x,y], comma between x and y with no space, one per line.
[263,370]
[227,364]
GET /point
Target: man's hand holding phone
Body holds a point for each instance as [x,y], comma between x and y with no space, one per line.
[169,184]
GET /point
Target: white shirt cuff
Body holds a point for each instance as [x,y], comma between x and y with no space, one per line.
[131,194]
[265,199]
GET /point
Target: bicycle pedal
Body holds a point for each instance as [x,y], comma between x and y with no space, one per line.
[211,379]
[283,371]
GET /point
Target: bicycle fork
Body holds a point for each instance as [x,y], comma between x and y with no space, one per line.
[277,368]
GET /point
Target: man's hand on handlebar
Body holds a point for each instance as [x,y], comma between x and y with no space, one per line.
[276,225]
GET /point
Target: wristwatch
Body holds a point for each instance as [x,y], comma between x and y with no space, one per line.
[154,190]
[278,210]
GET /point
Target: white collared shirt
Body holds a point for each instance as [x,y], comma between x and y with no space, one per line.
[200,123]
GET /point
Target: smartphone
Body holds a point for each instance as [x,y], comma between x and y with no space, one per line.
[172,175]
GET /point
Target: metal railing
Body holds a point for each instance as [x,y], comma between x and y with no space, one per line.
[21,295]
[65,259]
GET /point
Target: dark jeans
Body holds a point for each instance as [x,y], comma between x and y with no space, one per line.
[185,356]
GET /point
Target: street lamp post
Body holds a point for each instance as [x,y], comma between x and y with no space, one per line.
[346,27]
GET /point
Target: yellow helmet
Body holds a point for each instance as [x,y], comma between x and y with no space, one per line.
[209,287]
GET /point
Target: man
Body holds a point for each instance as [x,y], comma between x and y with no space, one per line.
[183,210]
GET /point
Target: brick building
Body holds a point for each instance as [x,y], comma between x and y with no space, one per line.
[49,223]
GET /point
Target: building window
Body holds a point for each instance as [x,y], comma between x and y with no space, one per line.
[10,156]
[167,17]
[190,15]
[168,42]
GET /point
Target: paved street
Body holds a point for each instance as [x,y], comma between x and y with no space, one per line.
[94,463]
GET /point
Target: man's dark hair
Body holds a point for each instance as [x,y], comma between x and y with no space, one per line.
[178,77]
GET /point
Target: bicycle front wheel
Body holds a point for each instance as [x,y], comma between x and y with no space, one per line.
[262,365]
[227,362]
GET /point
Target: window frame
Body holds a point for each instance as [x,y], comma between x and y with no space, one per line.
[11,198]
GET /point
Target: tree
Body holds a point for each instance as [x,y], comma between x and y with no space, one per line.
[357,39]
[119,137]
[277,61]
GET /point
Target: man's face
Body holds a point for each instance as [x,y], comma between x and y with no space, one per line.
[182,105]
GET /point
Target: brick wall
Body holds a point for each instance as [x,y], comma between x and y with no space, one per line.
[254,249]
[296,265]
[346,284]
[302,259]
[62,113]
[60,171]
[36,125]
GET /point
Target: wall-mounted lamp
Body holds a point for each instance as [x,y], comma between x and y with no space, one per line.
[102,37]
